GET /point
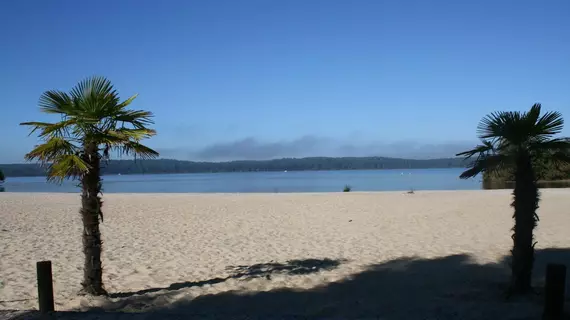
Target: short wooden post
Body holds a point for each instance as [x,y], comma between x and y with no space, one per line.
[554,292]
[45,286]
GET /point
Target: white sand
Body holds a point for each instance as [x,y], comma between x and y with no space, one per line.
[159,240]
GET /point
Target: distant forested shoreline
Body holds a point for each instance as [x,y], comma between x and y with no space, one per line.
[164,166]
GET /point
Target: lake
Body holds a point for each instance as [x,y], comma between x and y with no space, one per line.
[292,181]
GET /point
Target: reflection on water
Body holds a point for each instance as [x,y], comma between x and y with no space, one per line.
[489,185]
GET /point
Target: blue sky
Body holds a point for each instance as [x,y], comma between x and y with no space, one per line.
[265,79]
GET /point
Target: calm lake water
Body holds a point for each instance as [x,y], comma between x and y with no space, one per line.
[299,181]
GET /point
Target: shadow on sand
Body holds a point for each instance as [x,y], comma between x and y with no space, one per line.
[291,267]
[452,287]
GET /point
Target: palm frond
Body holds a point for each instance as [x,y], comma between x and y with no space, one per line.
[121,136]
[36,125]
[136,149]
[51,129]
[516,128]
[95,97]
[92,87]
[66,166]
[487,163]
[92,113]
[137,118]
[533,114]
[133,134]
[483,148]
[551,123]
[493,125]
[125,103]
[54,101]
[51,150]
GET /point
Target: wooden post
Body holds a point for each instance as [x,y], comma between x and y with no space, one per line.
[554,292]
[45,286]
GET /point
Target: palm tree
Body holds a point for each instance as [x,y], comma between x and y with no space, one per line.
[514,142]
[93,123]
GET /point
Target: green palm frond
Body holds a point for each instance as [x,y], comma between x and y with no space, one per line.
[92,115]
[94,95]
[126,142]
[121,135]
[125,103]
[51,150]
[36,126]
[137,118]
[138,150]
[57,102]
[66,166]
[136,134]
[50,129]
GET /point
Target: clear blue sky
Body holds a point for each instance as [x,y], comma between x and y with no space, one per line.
[272,78]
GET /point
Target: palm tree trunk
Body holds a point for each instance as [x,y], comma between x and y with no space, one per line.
[90,213]
[525,203]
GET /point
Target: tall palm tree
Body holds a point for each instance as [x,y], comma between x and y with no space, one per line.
[93,123]
[513,142]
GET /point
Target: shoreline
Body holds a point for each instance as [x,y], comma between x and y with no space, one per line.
[259,171]
[324,193]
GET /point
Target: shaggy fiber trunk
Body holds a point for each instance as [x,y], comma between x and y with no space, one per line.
[90,213]
[525,203]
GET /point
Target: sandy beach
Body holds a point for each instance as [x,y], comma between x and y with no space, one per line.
[433,255]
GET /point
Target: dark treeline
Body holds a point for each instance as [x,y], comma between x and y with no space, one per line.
[544,173]
[291,164]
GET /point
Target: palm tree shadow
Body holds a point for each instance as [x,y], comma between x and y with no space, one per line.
[451,287]
[291,267]
[542,258]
